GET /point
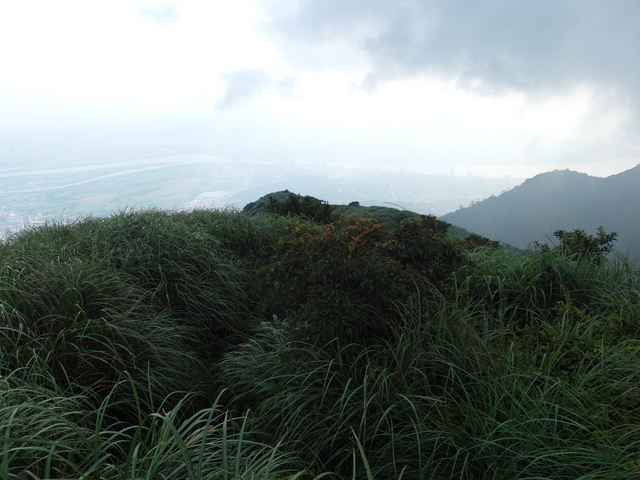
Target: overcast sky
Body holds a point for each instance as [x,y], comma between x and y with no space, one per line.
[491,86]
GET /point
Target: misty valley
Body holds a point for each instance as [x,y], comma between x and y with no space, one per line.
[34,195]
[513,211]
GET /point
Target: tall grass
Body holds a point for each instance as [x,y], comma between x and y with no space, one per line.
[84,326]
[45,434]
[165,292]
[451,398]
[130,348]
[108,328]
[521,289]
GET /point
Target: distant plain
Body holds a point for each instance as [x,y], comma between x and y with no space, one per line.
[204,181]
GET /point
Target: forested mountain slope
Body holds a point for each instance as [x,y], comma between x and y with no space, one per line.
[561,199]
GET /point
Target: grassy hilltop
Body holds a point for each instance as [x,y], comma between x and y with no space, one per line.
[219,345]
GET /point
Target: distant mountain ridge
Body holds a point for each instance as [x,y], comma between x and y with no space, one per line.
[562,199]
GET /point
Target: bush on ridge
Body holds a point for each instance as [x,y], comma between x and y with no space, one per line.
[346,279]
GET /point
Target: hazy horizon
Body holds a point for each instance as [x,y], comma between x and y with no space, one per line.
[430,86]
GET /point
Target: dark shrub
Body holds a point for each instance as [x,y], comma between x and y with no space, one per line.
[348,279]
[581,245]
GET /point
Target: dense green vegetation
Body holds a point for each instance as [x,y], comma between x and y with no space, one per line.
[219,345]
[286,203]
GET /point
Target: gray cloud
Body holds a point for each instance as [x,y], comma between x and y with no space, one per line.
[491,45]
[165,13]
[242,85]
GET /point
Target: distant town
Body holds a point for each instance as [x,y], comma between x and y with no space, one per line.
[12,222]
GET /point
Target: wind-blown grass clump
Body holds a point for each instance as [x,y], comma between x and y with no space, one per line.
[444,401]
[197,266]
[45,433]
[157,294]
[526,288]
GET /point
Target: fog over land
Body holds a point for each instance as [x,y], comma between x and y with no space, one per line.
[317,89]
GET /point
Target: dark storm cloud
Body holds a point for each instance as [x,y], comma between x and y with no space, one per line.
[163,14]
[242,85]
[533,46]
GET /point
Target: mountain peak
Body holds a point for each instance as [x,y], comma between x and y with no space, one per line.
[558,175]
[559,200]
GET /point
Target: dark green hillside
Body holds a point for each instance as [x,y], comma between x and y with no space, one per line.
[389,217]
[212,345]
[556,200]
[257,207]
